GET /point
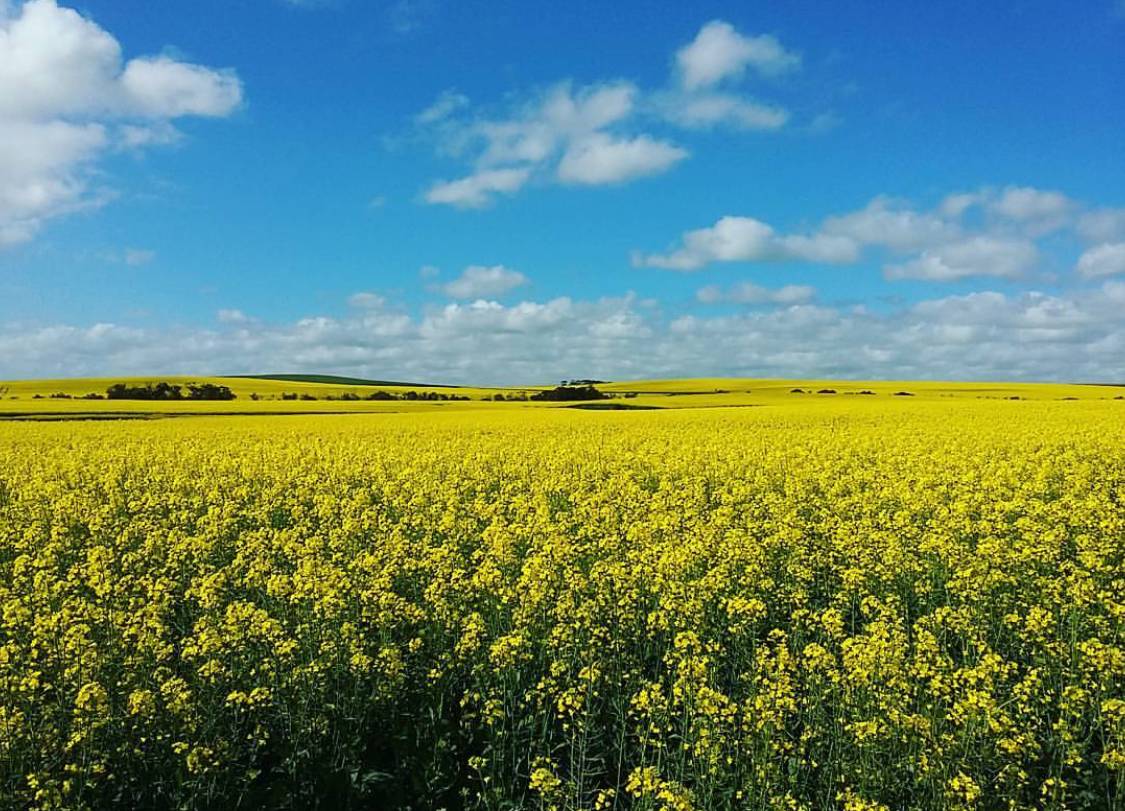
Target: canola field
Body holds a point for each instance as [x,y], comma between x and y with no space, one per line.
[834,603]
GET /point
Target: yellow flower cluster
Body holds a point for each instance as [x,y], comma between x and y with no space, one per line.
[911,606]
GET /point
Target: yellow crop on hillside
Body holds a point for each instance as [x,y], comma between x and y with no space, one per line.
[873,603]
[69,398]
[247,390]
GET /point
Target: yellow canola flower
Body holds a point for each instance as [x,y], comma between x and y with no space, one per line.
[866,603]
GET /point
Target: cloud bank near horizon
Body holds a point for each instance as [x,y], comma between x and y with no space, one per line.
[988,335]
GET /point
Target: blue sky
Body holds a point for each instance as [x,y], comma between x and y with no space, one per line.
[518,192]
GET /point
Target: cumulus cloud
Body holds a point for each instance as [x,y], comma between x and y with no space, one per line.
[1102,225]
[985,335]
[459,321]
[598,133]
[984,233]
[1024,203]
[41,173]
[750,293]
[893,224]
[719,52]
[1021,210]
[160,87]
[480,282]
[67,96]
[980,255]
[701,95]
[1107,259]
[600,159]
[745,239]
[728,240]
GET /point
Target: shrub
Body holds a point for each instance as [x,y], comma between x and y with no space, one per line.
[169,391]
[570,394]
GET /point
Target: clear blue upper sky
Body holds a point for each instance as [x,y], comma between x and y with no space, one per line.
[521,191]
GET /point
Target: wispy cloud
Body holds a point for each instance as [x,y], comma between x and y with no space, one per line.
[136,257]
[477,190]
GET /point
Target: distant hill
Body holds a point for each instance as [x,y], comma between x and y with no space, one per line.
[337,380]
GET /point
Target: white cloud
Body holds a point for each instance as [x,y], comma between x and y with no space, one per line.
[745,239]
[1016,210]
[40,173]
[719,52]
[1107,259]
[471,320]
[136,257]
[566,128]
[55,62]
[140,136]
[477,190]
[232,316]
[942,244]
[1025,203]
[548,124]
[955,205]
[728,240]
[445,105]
[159,87]
[480,282]
[706,110]
[986,335]
[891,224]
[1102,225]
[67,97]
[1035,212]
[366,301]
[980,255]
[831,249]
[750,293]
[595,134]
[600,159]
